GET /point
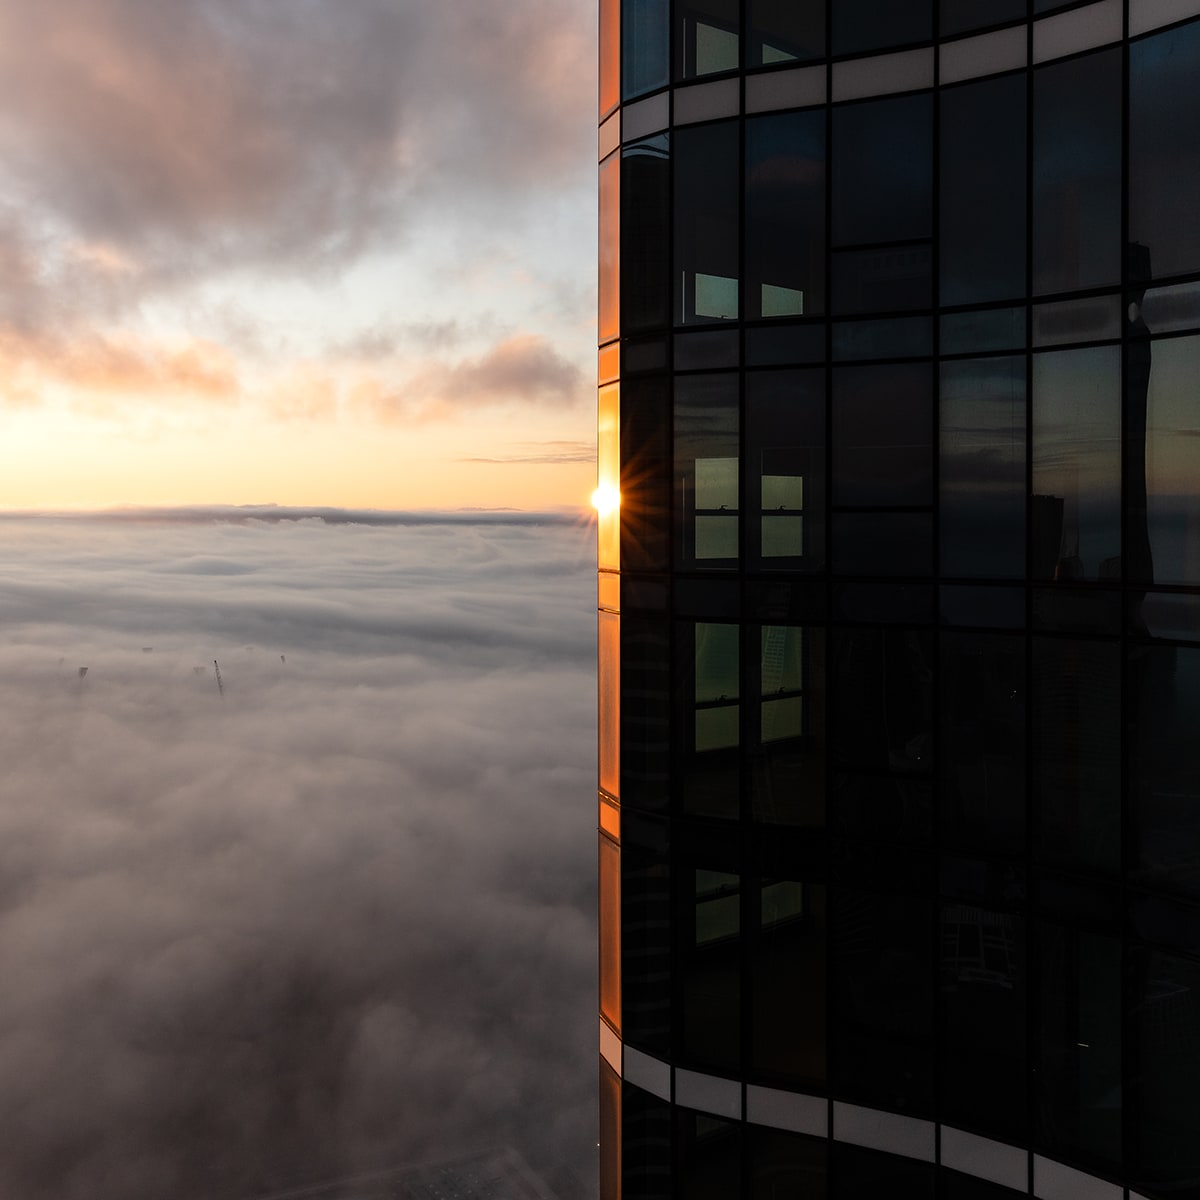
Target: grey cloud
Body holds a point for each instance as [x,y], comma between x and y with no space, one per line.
[336,921]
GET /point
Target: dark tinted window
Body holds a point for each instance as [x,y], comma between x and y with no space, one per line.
[1077,173]
[644,46]
[983,188]
[645,474]
[706,37]
[784,30]
[645,235]
[785,215]
[881,435]
[860,25]
[1164,148]
[982,479]
[984,710]
[882,169]
[706,223]
[1077,464]
[962,16]
[645,710]
[706,470]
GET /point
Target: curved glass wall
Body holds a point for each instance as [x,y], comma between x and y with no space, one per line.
[900,619]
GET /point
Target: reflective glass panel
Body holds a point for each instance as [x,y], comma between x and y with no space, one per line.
[646,1164]
[786,1164]
[785,215]
[881,435]
[982,478]
[610,702]
[706,37]
[1077,752]
[646,235]
[983,711]
[1077,464]
[882,168]
[608,476]
[1164,682]
[706,470]
[983,189]
[1169,446]
[710,926]
[708,1156]
[983,981]
[1164,148]
[610,55]
[860,25]
[780,31]
[963,16]
[610,932]
[785,464]
[646,925]
[609,278]
[1078,1069]
[706,223]
[645,711]
[1077,173]
[645,46]
[645,474]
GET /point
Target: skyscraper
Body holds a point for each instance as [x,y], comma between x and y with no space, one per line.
[900,613]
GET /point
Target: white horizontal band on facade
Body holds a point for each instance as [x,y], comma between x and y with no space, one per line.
[801,87]
[987,54]
[645,116]
[883,74]
[908,1137]
[1054,1181]
[1145,15]
[1085,28]
[610,1046]
[609,137]
[985,1159]
[857,1125]
[1054,37]
[709,1094]
[707,101]
[787,1110]
[650,1074]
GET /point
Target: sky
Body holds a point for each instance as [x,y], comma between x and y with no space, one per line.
[297,252]
[337,919]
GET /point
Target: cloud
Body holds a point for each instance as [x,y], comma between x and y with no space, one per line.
[336,921]
[523,369]
[545,454]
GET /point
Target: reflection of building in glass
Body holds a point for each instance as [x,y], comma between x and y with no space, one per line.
[900,616]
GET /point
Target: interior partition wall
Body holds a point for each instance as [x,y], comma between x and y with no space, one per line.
[899,616]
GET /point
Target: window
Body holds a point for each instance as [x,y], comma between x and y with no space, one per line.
[706,223]
[706,470]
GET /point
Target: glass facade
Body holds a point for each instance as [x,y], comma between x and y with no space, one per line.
[900,611]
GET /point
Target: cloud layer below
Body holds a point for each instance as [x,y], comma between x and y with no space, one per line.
[337,920]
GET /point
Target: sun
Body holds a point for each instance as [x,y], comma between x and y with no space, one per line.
[606,499]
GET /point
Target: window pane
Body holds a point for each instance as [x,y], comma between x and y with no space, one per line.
[645,235]
[1164,148]
[785,464]
[609,702]
[710,926]
[709,1157]
[882,1012]
[610,55]
[788,1021]
[608,474]
[706,223]
[645,708]
[784,31]
[1169,447]
[962,16]
[706,470]
[785,215]
[1165,768]
[645,474]
[881,435]
[644,46]
[786,1165]
[860,25]
[610,932]
[1077,173]
[1079,1044]
[609,279]
[984,977]
[882,168]
[708,689]
[982,479]
[1077,753]
[983,731]
[1077,464]
[646,926]
[706,37]
[983,188]
[646,1166]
